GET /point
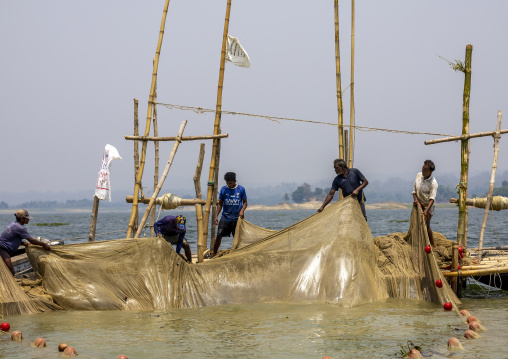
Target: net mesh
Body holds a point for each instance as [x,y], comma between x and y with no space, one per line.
[329,257]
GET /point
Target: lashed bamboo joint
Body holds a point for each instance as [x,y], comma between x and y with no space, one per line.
[498,202]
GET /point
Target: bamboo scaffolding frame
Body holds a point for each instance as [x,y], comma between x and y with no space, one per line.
[156,169]
[491,185]
[464,137]
[352,91]
[161,181]
[137,185]
[199,207]
[340,110]
[172,138]
[136,157]
[216,127]
[464,152]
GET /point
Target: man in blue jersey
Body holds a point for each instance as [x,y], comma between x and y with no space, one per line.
[351,181]
[13,235]
[232,202]
[173,230]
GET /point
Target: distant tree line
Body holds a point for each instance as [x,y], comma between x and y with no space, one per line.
[71,203]
[4,205]
[304,193]
[501,191]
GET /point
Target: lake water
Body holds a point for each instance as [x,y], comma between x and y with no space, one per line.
[267,330]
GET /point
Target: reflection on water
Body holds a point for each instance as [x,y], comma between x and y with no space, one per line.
[263,331]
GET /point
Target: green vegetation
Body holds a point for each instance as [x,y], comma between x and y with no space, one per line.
[51,224]
[304,193]
[501,191]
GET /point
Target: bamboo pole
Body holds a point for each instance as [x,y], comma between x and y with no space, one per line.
[346,147]
[352,91]
[199,207]
[216,127]
[455,265]
[183,202]
[478,272]
[156,169]
[186,138]
[161,181]
[338,80]
[214,196]
[464,153]
[491,186]
[148,121]
[136,156]
[93,222]
[464,137]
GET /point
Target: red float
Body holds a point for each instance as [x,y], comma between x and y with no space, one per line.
[461,250]
[447,306]
[5,327]
[439,284]
[428,249]
[458,267]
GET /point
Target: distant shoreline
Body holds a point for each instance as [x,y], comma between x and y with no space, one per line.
[314,205]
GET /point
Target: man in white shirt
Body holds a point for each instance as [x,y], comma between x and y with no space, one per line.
[424,194]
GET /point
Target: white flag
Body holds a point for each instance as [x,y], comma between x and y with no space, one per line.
[235,53]
[103,187]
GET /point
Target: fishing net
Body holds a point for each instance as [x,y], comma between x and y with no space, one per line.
[329,257]
[14,300]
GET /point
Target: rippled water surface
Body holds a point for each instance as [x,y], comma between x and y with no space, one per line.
[266,330]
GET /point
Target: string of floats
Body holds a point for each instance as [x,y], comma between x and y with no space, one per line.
[201,110]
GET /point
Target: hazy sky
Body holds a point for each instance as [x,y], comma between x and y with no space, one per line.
[70,70]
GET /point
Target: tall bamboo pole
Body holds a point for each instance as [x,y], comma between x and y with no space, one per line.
[199,208]
[497,136]
[161,181]
[216,127]
[148,121]
[464,152]
[339,86]
[136,156]
[156,170]
[214,196]
[352,93]
[346,147]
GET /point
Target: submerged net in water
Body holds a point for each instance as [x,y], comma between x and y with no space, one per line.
[329,257]
[14,300]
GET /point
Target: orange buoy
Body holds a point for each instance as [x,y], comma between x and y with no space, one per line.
[39,343]
[124,357]
[62,346]
[16,336]
[69,352]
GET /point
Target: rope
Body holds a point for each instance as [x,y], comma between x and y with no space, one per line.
[97,234]
[498,203]
[169,201]
[200,111]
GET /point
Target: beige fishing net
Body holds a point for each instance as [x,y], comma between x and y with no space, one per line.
[329,257]
[14,300]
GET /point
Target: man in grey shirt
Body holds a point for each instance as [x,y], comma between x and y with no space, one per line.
[13,235]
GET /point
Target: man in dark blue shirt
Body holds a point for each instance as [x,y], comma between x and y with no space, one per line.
[351,181]
[233,199]
[173,230]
